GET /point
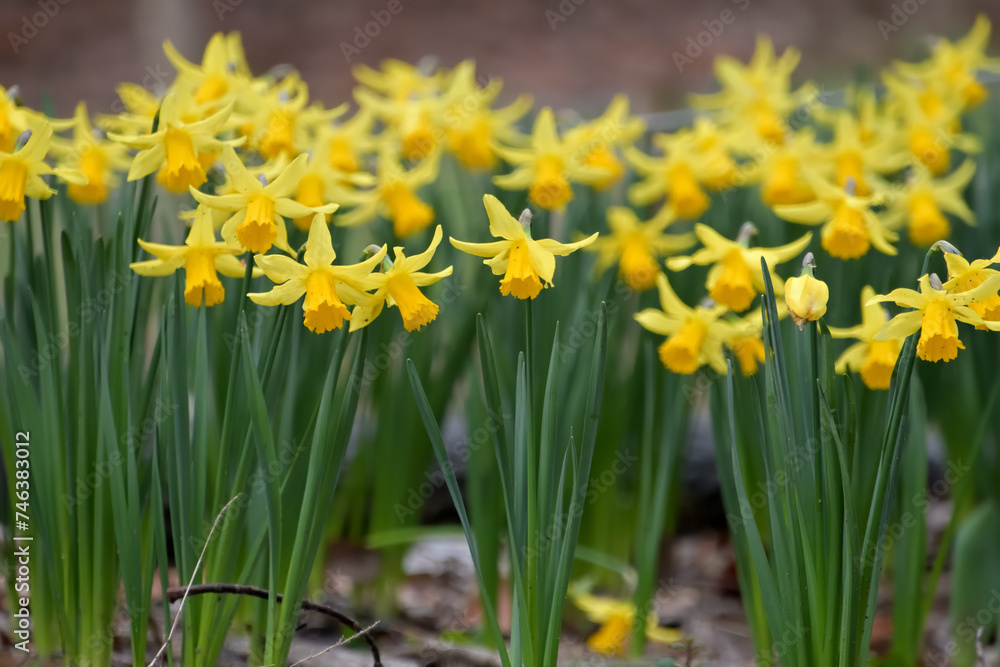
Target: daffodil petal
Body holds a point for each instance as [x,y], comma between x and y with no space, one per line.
[281,295]
[480,249]
[502,223]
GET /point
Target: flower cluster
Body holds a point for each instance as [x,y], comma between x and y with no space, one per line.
[253,153]
[883,164]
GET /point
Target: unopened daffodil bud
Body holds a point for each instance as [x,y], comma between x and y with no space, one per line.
[806,296]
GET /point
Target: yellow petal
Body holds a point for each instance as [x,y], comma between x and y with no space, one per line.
[812,213]
[502,223]
[319,246]
[900,326]
[281,295]
[491,249]
[542,261]
[157,267]
[657,322]
[563,249]
[279,268]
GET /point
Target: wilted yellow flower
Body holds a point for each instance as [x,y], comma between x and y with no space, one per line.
[399,285]
[695,335]
[257,223]
[924,200]
[328,289]
[637,246]
[935,313]
[805,295]
[201,256]
[178,151]
[527,265]
[736,276]
[873,359]
[546,168]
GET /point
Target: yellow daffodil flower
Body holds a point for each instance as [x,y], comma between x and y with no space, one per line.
[784,178]
[873,359]
[21,173]
[97,159]
[415,125]
[399,80]
[527,265]
[258,209]
[394,195]
[757,96]
[473,128]
[636,247]
[853,155]
[935,315]
[932,127]
[964,276]
[951,69]
[399,285]
[346,143]
[616,618]
[850,227]
[202,258]
[138,108]
[223,74]
[321,183]
[743,338]
[923,201]
[328,289]
[716,145]
[805,295]
[15,119]
[679,174]
[695,335]
[749,352]
[419,111]
[548,166]
[178,151]
[280,123]
[736,276]
[474,134]
[598,140]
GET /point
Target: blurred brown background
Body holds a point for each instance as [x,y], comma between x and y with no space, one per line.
[565,52]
